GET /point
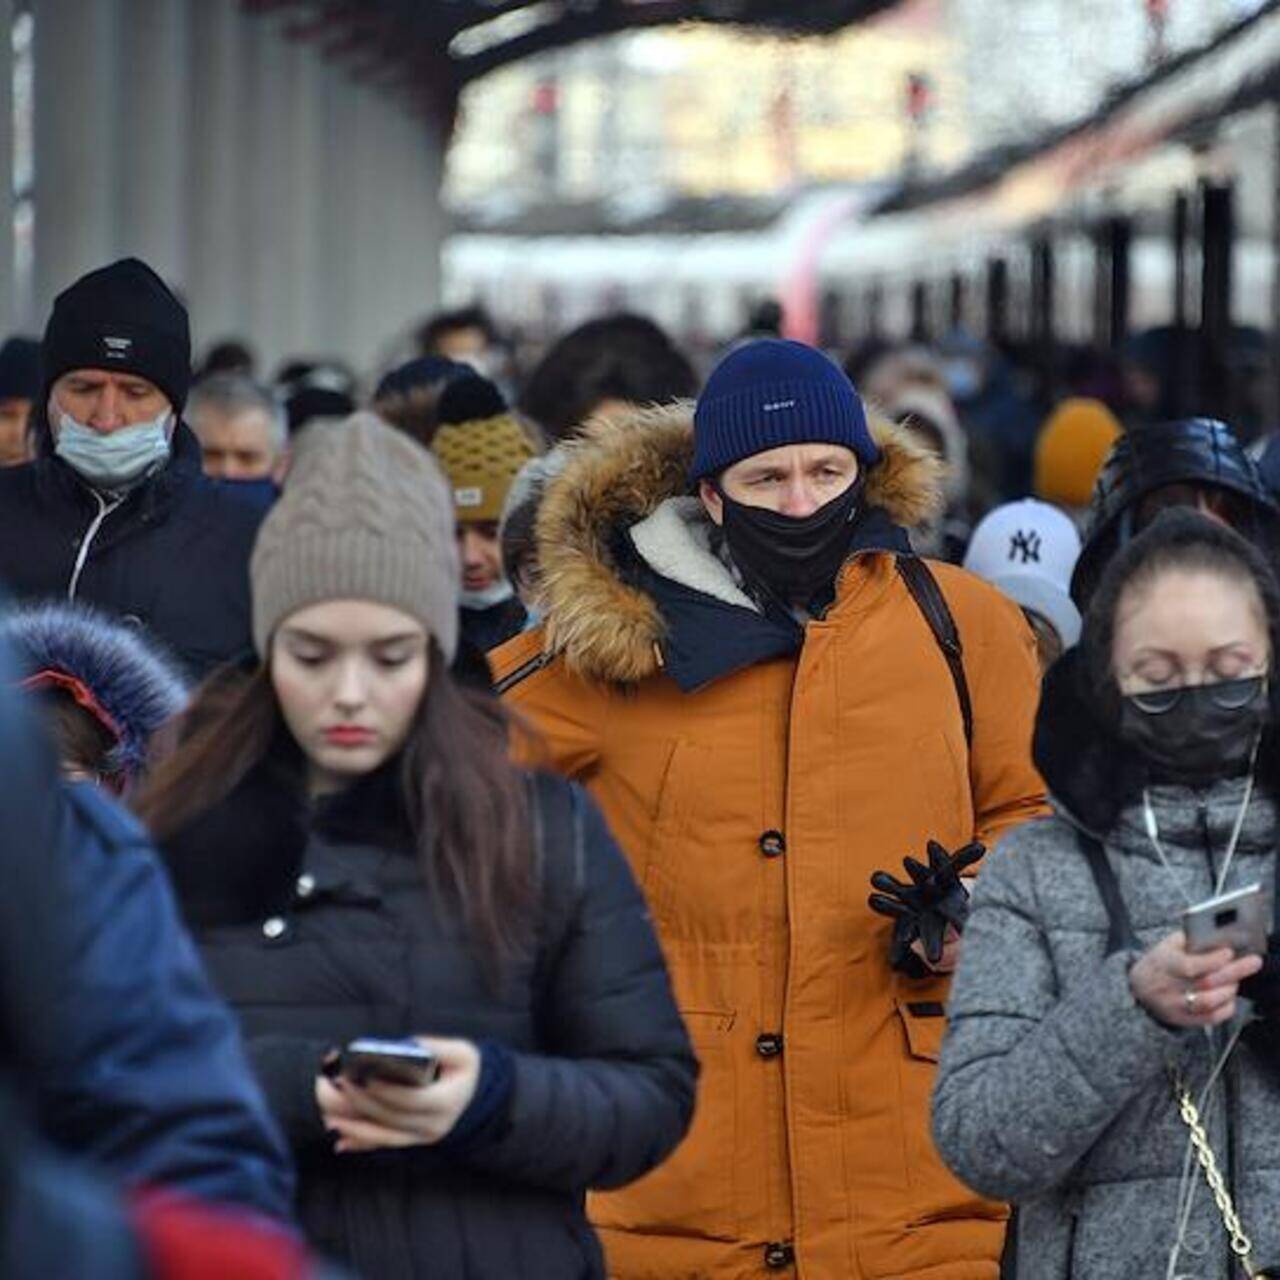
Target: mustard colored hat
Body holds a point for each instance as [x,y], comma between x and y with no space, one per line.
[481,459]
[1073,445]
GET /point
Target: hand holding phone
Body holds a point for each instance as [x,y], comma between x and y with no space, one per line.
[377,1113]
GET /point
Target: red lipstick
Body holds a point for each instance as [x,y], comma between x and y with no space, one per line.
[348,735]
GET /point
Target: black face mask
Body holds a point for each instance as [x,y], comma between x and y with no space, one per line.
[791,559]
[1198,734]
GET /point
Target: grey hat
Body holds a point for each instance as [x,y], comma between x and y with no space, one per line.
[366,515]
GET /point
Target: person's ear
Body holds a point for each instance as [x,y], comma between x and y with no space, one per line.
[712,501]
[280,468]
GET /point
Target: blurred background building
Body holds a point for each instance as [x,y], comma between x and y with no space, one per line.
[316,175]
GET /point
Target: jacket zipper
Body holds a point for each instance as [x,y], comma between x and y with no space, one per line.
[522,672]
[105,508]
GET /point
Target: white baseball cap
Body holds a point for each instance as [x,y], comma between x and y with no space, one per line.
[1029,550]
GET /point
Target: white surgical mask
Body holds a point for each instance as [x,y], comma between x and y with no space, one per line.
[113,459]
[500,591]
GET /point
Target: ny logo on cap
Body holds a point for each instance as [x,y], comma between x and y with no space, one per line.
[1025,545]
[118,348]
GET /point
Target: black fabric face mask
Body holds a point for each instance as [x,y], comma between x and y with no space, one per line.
[791,559]
[1199,734]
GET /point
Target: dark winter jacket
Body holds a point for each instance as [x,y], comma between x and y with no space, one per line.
[319,936]
[1053,1088]
[112,1047]
[488,628]
[172,557]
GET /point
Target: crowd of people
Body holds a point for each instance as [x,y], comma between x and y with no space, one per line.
[622,818]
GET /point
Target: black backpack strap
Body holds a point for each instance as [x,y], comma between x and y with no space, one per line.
[937,613]
[1120,932]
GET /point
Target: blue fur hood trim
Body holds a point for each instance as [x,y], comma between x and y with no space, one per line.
[136,683]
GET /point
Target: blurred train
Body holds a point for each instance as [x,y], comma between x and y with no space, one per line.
[1158,211]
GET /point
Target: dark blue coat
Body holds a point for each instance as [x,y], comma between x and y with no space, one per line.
[112,1047]
[173,557]
[137,1064]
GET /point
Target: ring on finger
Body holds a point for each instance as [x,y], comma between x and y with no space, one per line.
[1191,998]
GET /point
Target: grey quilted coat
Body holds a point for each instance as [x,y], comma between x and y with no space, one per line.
[1053,1090]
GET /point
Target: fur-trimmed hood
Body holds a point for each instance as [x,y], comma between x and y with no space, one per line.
[130,681]
[618,475]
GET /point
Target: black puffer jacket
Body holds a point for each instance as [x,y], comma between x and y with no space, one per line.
[316,937]
[172,558]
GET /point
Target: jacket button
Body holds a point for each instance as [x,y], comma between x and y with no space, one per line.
[773,843]
[769,1046]
[778,1256]
[306,885]
[274,928]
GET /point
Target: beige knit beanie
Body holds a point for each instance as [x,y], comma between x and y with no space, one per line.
[365,515]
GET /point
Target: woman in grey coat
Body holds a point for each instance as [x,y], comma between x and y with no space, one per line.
[1078,1011]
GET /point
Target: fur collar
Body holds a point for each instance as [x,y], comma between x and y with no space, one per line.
[618,475]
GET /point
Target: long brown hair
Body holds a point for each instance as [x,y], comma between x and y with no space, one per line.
[466,802]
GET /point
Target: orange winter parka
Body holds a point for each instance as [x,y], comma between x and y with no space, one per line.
[757,771]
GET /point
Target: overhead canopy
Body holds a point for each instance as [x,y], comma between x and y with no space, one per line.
[435,47]
[1237,69]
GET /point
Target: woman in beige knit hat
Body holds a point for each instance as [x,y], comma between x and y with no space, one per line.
[359,858]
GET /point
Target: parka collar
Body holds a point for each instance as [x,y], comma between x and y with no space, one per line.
[618,618]
[240,860]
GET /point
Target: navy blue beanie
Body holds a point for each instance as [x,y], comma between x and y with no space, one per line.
[775,392]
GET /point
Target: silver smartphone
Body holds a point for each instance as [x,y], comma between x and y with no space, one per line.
[1240,920]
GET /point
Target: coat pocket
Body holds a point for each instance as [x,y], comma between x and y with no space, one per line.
[693,1193]
[935,1194]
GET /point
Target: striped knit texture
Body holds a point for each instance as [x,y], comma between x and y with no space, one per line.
[771,393]
[365,515]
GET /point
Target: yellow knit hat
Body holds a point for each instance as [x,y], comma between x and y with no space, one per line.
[1073,445]
[481,460]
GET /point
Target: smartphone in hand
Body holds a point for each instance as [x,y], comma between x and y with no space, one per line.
[1239,920]
[396,1061]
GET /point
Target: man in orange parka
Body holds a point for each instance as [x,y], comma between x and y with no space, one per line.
[761,685]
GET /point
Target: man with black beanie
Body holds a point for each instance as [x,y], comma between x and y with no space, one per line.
[116,510]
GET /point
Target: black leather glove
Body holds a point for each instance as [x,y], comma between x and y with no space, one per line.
[922,909]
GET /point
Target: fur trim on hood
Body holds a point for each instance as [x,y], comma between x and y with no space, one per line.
[617,475]
[132,681]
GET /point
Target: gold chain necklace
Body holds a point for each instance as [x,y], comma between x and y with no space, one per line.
[1241,1244]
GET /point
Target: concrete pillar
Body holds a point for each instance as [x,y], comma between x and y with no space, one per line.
[152,164]
[77,78]
[309,160]
[9,320]
[265,188]
[218,138]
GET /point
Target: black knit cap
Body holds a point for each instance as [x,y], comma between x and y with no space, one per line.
[20,369]
[122,318]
